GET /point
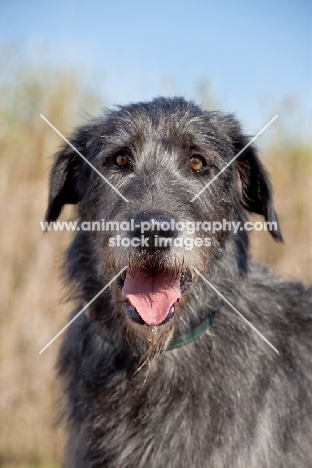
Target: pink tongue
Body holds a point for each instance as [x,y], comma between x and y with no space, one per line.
[152,295]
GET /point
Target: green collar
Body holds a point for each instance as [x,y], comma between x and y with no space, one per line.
[193,334]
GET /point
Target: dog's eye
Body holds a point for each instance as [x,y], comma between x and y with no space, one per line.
[122,160]
[197,162]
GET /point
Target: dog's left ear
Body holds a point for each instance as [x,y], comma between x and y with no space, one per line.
[256,191]
[66,180]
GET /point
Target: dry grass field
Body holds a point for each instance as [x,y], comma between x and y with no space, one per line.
[32,309]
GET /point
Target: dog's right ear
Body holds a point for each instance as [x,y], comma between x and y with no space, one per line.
[65,179]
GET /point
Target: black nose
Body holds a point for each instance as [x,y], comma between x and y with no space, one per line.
[157,227]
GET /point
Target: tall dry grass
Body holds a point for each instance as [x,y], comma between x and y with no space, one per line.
[30,289]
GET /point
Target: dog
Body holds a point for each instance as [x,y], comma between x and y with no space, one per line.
[187,353]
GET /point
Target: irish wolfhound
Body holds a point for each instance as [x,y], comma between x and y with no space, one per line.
[161,370]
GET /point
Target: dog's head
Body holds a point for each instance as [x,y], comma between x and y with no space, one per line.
[151,181]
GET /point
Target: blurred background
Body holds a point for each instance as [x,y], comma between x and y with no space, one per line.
[70,59]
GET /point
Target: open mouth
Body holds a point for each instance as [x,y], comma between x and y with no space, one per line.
[152,295]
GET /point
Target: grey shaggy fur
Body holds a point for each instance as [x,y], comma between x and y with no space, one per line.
[226,399]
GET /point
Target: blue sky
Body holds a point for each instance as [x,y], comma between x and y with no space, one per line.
[253,54]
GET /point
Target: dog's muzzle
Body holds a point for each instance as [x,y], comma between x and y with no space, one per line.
[151,289]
